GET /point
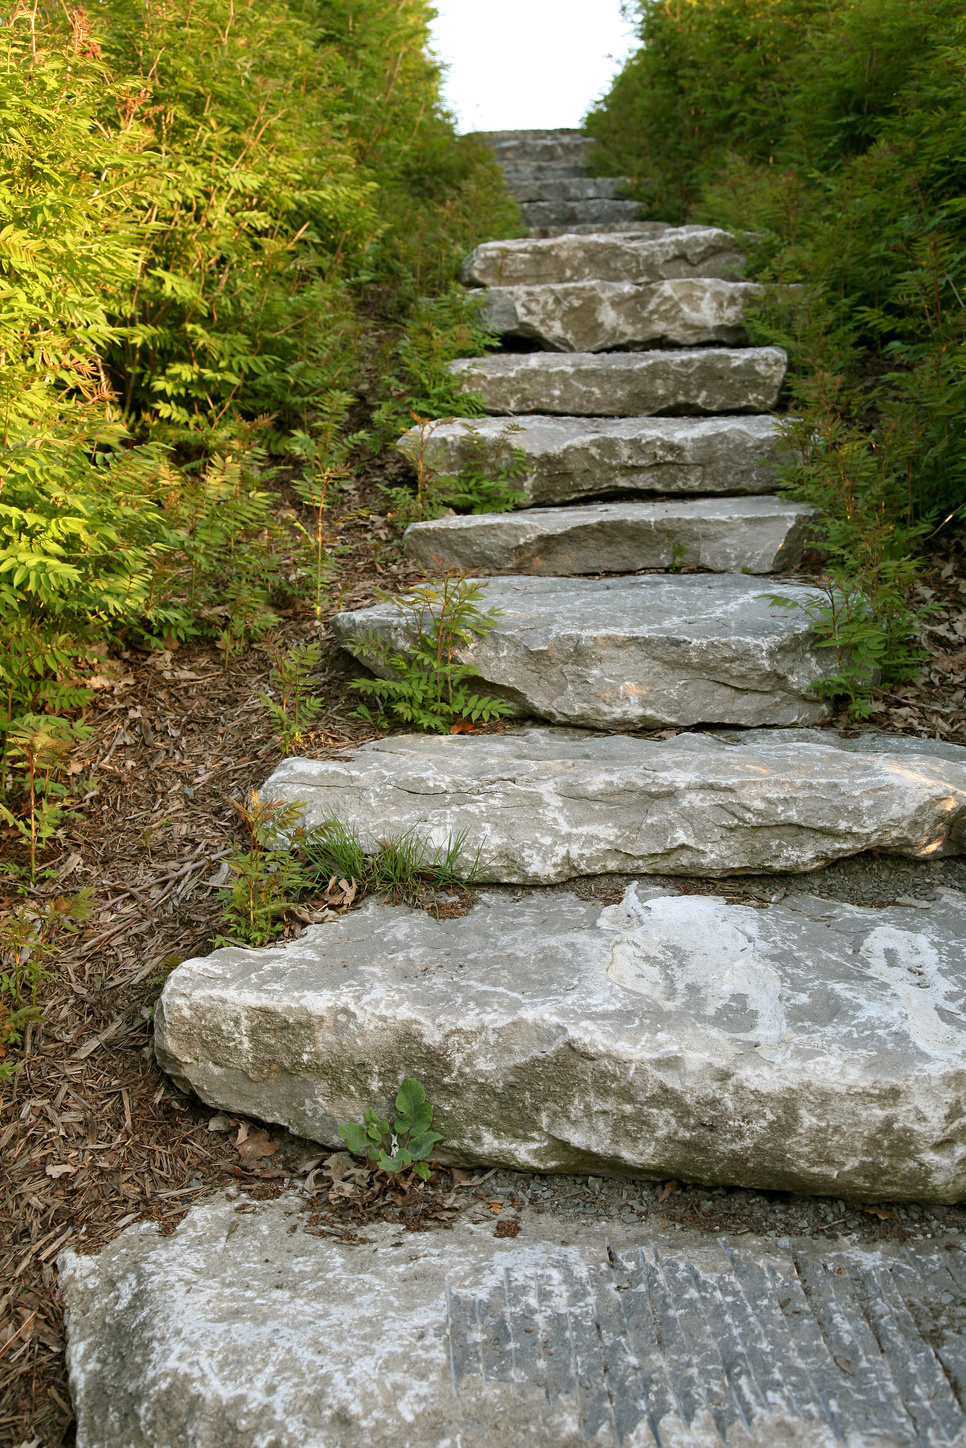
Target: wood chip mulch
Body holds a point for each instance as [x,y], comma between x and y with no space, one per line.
[93,1136]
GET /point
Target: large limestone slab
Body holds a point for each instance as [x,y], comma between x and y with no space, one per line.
[537,806]
[750,535]
[808,1046]
[627,384]
[240,1330]
[681,251]
[571,458]
[543,147]
[601,316]
[639,652]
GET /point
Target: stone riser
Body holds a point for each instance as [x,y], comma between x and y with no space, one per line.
[536,187]
[603,316]
[539,806]
[689,383]
[805,1047]
[758,535]
[639,653]
[578,213]
[571,458]
[685,251]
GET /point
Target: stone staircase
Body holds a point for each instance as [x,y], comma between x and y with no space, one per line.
[806,1046]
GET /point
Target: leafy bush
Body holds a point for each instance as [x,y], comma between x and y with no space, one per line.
[224,221]
[835,133]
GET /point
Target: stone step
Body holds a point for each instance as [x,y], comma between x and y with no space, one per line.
[745,535]
[567,458]
[578,213]
[532,147]
[680,251]
[636,653]
[603,316]
[536,185]
[242,1328]
[809,1046]
[538,806]
[627,384]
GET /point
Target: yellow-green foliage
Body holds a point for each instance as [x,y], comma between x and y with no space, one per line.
[207,204]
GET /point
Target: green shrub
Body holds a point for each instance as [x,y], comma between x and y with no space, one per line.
[835,133]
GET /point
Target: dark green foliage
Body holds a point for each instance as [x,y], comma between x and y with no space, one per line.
[835,132]
[427,687]
[402,1146]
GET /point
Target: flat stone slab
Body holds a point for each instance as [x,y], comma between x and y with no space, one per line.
[538,806]
[627,384]
[241,1330]
[809,1046]
[570,458]
[750,535]
[578,213]
[600,316]
[680,251]
[644,652]
[537,184]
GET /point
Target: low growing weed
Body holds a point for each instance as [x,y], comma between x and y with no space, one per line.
[282,864]
[28,941]
[484,483]
[428,687]
[405,1145]
[290,704]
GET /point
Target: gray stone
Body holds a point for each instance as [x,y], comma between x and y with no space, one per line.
[530,148]
[571,458]
[537,806]
[240,1330]
[681,251]
[640,652]
[808,1047]
[627,384]
[744,535]
[578,213]
[614,228]
[537,185]
[601,316]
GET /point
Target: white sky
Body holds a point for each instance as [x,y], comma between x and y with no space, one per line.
[528,64]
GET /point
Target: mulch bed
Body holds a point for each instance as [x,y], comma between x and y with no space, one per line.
[92,1134]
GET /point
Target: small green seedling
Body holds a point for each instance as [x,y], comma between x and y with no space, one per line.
[405,1145]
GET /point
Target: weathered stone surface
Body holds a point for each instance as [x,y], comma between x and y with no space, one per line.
[529,148]
[681,251]
[538,184]
[539,806]
[239,1330]
[600,316]
[570,458]
[807,1046]
[750,535]
[627,384]
[639,652]
[578,213]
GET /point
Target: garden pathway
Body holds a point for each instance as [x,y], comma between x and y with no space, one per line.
[801,1045]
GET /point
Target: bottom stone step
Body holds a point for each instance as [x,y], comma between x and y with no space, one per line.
[724,535]
[809,1046]
[240,1330]
[637,653]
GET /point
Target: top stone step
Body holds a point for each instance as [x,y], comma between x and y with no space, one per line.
[680,251]
[527,147]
